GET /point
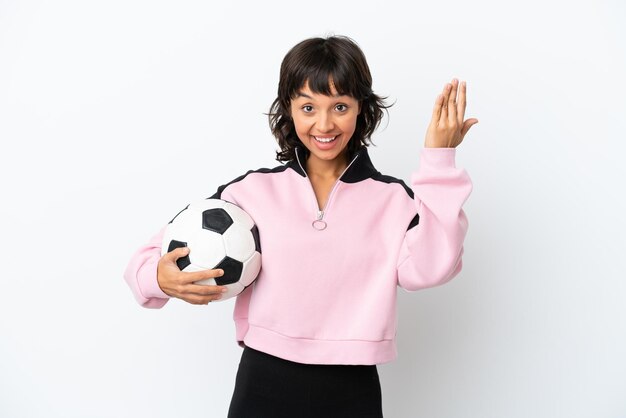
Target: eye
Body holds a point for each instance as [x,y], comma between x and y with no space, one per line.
[307,107]
[343,106]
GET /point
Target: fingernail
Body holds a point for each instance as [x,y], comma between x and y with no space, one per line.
[221,272]
[225,289]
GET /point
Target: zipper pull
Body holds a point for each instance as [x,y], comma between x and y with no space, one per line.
[319,224]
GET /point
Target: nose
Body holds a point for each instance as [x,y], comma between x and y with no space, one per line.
[325,122]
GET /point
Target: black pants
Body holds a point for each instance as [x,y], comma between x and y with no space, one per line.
[270,387]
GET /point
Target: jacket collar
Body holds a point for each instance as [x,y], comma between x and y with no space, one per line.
[359,168]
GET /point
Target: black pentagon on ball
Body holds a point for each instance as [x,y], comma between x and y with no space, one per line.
[216,220]
[257,240]
[182,262]
[232,271]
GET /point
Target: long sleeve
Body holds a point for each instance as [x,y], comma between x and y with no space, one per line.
[432,249]
[141,274]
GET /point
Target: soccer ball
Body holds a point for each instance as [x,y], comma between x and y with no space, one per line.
[220,235]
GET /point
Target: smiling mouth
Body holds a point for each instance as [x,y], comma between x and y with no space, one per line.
[325,140]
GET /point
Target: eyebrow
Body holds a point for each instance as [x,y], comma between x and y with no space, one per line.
[300,94]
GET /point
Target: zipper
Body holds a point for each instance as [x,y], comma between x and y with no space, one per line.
[319,222]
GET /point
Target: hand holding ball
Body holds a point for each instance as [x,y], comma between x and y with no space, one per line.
[219,235]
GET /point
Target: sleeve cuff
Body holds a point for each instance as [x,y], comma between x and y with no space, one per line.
[438,158]
[147,280]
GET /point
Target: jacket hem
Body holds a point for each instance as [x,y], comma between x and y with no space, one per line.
[310,351]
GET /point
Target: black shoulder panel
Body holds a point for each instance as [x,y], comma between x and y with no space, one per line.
[218,194]
[414,221]
[389,179]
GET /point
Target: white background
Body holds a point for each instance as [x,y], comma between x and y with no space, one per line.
[115,114]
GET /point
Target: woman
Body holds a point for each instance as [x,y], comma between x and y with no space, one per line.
[338,238]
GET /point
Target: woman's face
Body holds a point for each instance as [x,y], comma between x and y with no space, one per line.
[319,117]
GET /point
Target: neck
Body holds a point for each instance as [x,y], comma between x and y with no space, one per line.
[324,169]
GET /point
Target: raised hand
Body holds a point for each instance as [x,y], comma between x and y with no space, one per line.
[447,128]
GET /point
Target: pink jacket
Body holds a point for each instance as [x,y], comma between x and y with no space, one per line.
[329,296]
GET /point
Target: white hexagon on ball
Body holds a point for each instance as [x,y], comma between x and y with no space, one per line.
[237,248]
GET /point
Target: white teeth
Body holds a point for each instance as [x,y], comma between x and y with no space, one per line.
[325,140]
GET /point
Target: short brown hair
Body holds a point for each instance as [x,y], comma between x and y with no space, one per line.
[318,61]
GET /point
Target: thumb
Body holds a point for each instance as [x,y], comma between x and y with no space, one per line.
[467,125]
[177,253]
